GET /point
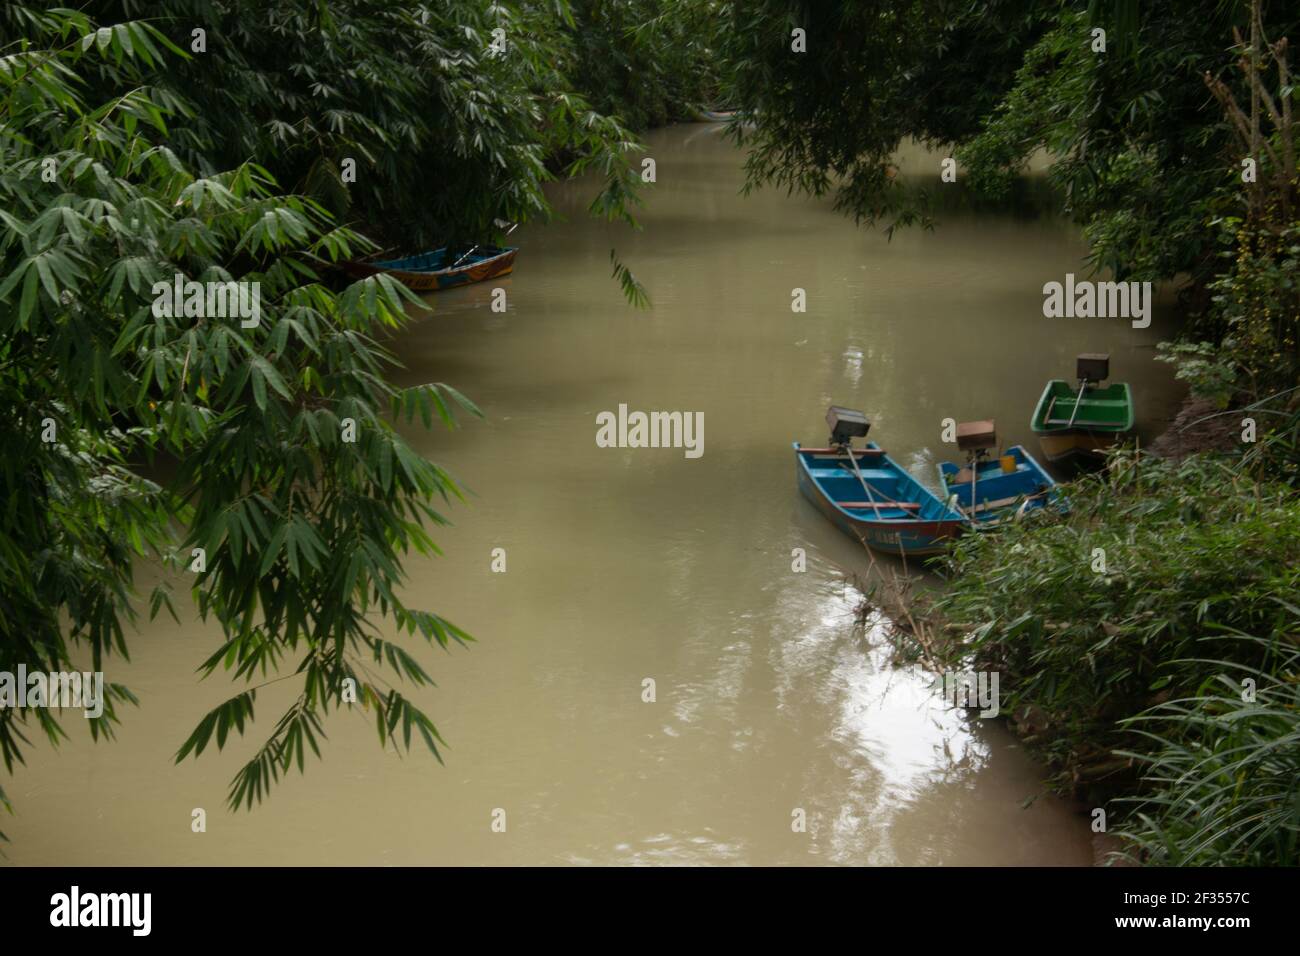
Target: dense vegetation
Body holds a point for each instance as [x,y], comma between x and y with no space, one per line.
[1123,631]
[1144,147]
[416,94]
[213,139]
[1128,680]
[260,143]
[647,63]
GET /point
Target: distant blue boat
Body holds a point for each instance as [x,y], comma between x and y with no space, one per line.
[996,494]
[436,270]
[894,513]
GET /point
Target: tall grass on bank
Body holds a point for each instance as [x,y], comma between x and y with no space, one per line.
[1131,605]
[1277,453]
[1224,778]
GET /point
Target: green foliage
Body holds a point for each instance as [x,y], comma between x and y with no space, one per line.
[829,120]
[1277,453]
[1254,314]
[1135,152]
[175,433]
[447,135]
[1140,160]
[647,63]
[633,290]
[1208,372]
[239,430]
[1194,554]
[1257,302]
[1223,770]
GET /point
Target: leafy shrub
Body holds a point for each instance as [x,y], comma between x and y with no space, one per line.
[1192,554]
[1224,772]
[1204,367]
[1257,303]
[304,531]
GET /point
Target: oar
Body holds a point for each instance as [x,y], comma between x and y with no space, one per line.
[472,248]
[865,487]
[464,257]
[1083,387]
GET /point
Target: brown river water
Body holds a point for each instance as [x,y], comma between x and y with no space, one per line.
[628,564]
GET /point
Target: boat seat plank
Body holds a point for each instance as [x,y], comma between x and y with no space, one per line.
[963,477]
[1083,421]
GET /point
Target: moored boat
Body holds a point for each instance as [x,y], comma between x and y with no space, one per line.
[1079,426]
[436,270]
[869,496]
[713,116]
[991,490]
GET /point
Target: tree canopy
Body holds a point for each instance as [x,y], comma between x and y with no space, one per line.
[1146,121]
[207,141]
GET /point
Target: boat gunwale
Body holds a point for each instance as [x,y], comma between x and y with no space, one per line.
[1116,429]
[450,270]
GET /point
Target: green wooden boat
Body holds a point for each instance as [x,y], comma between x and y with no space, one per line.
[1079,424]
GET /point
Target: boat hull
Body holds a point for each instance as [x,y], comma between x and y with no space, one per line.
[920,536]
[491,267]
[1081,448]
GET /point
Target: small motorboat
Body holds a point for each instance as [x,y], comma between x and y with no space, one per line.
[1078,427]
[989,490]
[869,496]
[439,269]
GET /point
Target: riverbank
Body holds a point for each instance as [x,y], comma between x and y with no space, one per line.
[1146,643]
[1200,426]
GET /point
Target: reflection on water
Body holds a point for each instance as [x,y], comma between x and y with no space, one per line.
[625,565]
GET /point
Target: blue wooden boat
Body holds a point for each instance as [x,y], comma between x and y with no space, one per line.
[995,493]
[894,513]
[431,271]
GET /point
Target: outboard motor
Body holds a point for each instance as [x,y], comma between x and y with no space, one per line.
[1092,367]
[846,424]
[976,438]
